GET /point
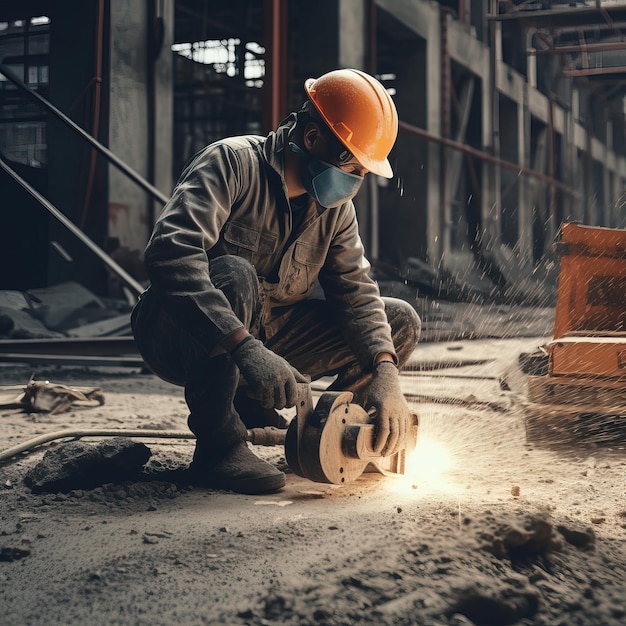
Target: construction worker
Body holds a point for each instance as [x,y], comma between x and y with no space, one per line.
[255,225]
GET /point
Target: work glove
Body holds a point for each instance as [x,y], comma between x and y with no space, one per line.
[389,407]
[272,381]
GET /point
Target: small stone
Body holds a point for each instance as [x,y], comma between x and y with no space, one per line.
[245,613]
[9,555]
[598,520]
[515,491]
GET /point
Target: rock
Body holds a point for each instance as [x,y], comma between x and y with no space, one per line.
[496,607]
[535,537]
[13,554]
[578,538]
[245,612]
[79,465]
[277,606]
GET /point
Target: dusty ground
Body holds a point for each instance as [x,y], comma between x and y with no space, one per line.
[488,528]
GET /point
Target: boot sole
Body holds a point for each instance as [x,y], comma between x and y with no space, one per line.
[248,486]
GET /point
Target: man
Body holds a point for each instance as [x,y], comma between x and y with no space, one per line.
[253,226]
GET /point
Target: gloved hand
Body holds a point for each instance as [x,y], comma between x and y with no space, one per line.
[271,379]
[391,410]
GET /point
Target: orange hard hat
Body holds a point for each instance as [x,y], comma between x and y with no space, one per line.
[360,112]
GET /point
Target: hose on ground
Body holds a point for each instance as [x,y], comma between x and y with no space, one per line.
[268,436]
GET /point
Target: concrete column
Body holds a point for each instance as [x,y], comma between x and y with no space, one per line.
[130,215]
[435,219]
[352,33]
[608,190]
[568,154]
[488,192]
[525,212]
[493,226]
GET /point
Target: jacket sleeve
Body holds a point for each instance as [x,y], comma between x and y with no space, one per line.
[348,286]
[190,224]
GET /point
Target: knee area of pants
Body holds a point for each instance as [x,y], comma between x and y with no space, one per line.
[406,320]
[234,264]
[233,270]
[413,321]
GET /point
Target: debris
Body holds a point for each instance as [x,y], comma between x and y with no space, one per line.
[581,392]
[63,310]
[79,465]
[46,397]
[17,320]
[60,306]
[515,491]
[113,326]
[533,537]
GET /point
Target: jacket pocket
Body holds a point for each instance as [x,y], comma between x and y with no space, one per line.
[304,268]
[241,240]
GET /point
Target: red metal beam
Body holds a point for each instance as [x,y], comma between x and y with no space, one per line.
[576,49]
[275,84]
[597,71]
[485,156]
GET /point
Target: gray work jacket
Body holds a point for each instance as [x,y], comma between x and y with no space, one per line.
[232,199]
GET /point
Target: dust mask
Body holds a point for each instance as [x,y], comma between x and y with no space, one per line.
[327,183]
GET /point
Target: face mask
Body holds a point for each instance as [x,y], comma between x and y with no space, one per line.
[328,184]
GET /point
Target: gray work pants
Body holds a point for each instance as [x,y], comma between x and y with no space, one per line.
[309,338]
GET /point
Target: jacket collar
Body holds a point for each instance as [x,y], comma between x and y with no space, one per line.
[274,151]
[276,143]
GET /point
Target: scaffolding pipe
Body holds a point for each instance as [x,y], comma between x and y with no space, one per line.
[480,154]
[596,71]
[97,250]
[151,189]
[577,49]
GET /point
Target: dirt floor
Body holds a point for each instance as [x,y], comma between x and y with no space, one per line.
[486,528]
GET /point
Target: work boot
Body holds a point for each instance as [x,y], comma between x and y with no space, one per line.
[254,415]
[239,470]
